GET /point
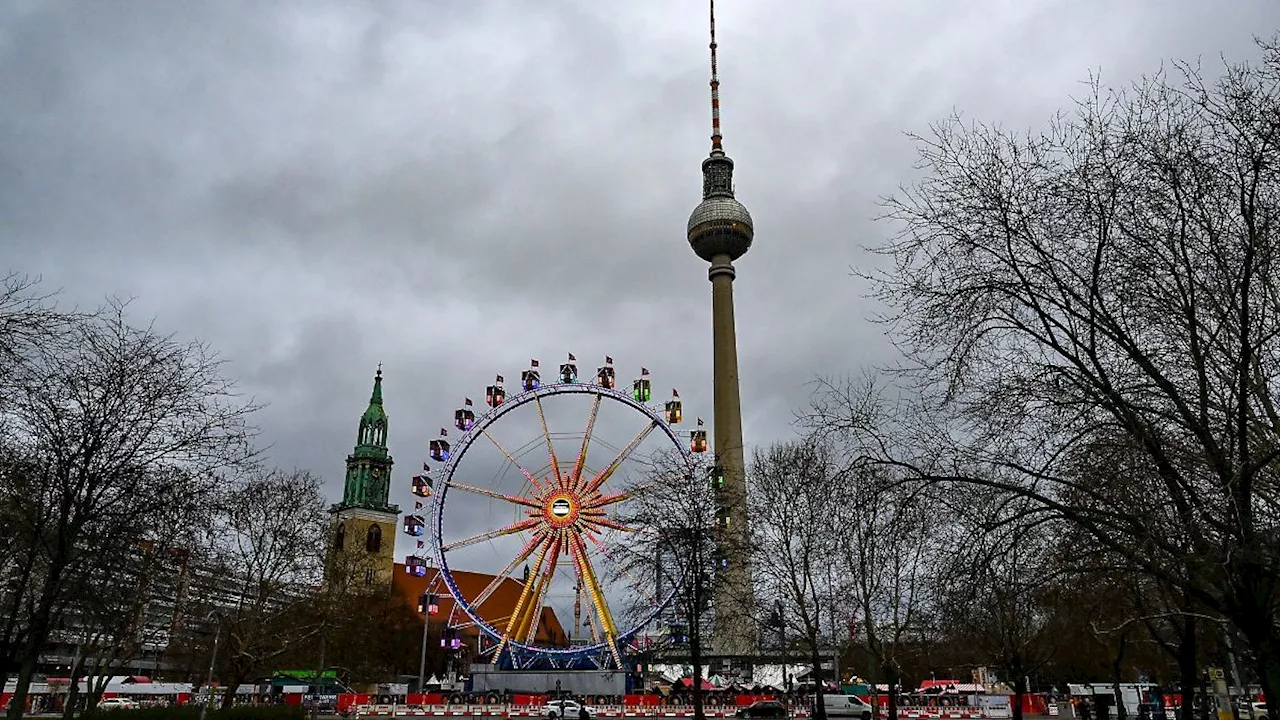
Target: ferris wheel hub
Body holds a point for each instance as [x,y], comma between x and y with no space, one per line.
[561,509]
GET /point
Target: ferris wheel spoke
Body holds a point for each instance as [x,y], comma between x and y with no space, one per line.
[505,530]
[546,437]
[620,458]
[623,569]
[518,610]
[520,557]
[613,524]
[576,479]
[517,499]
[601,501]
[528,475]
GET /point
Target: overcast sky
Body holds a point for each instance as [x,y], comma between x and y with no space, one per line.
[452,188]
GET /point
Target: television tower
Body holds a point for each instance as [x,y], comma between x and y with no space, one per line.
[720,231]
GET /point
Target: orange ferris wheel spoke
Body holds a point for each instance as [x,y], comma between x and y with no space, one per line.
[506,530]
[620,458]
[576,479]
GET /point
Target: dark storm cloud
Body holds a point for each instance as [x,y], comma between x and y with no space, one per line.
[454,188]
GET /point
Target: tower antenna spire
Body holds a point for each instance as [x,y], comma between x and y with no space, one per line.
[715,87]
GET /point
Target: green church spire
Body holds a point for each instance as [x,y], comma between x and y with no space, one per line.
[368,480]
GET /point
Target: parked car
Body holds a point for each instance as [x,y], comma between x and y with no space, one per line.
[763,709]
[567,710]
[1260,711]
[846,706]
[117,703]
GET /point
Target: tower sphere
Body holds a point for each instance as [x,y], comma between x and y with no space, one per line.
[720,225]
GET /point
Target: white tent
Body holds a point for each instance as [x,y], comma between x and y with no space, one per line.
[773,675]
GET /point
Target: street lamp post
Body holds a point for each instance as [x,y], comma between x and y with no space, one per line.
[428,605]
[213,660]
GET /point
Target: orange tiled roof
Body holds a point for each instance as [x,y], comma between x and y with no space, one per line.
[496,609]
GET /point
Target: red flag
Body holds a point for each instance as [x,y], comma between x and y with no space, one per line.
[699,422]
[421,544]
[444,433]
[499,380]
[468,402]
[675,393]
[644,371]
[572,358]
[608,360]
[533,362]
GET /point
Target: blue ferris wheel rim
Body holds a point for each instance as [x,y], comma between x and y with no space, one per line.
[446,476]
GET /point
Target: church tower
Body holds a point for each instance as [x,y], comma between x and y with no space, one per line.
[363,526]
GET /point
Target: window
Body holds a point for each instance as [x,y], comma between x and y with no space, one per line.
[373,541]
[340,537]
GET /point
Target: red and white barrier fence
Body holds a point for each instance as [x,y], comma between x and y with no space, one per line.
[656,712]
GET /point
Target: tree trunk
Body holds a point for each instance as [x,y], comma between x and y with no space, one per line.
[8,656]
[1116,665]
[230,691]
[891,680]
[1019,691]
[819,707]
[18,701]
[1266,652]
[695,659]
[73,691]
[1188,676]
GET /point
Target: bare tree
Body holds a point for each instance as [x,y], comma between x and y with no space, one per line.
[1112,277]
[28,322]
[112,424]
[794,489]
[678,514]
[997,590]
[274,539]
[889,550]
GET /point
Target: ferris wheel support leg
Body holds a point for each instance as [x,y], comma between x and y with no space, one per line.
[593,588]
[529,625]
[520,557]
[524,597]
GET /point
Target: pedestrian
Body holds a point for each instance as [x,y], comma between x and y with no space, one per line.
[582,713]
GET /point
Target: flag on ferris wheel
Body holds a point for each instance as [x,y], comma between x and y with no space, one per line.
[572,358]
[426,468]
[499,380]
[675,393]
[608,360]
[468,402]
[417,505]
[644,371]
[533,362]
[421,544]
[444,433]
[699,422]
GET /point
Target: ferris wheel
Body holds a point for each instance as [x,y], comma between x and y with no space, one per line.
[542,488]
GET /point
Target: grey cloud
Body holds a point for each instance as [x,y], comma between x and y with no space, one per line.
[453,188]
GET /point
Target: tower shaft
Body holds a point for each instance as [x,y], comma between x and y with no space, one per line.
[734,630]
[720,230]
